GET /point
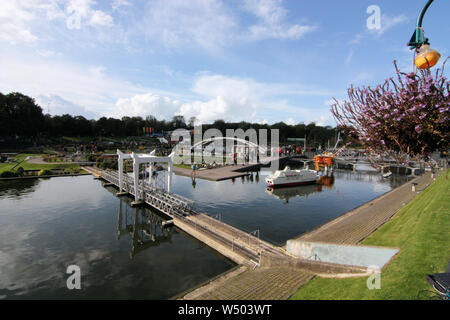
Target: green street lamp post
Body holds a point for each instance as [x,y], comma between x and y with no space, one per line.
[426,57]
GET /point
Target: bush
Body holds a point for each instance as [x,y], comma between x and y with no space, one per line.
[8,174]
[19,171]
[45,172]
[90,157]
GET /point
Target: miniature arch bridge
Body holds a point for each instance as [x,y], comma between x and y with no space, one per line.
[139,159]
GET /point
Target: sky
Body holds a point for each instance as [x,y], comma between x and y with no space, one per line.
[260,61]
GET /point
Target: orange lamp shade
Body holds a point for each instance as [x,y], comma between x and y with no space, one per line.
[426,57]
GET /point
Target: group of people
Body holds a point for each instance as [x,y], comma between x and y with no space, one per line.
[289,150]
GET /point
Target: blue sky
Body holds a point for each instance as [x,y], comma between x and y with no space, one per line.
[260,61]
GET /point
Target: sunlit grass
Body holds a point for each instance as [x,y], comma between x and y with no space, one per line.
[34,166]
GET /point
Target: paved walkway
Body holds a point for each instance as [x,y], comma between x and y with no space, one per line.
[281,283]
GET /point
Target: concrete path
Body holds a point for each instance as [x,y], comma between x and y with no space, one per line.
[281,283]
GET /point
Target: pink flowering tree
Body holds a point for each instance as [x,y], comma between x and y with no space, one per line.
[403,118]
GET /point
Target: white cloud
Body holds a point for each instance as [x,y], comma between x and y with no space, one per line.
[270,11]
[322,120]
[220,85]
[349,58]
[19,17]
[97,71]
[14,20]
[99,18]
[89,87]
[290,121]
[388,22]
[57,105]
[178,23]
[211,24]
[272,24]
[93,90]
[14,33]
[14,10]
[147,104]
[120,3]
[48,53]
[163,107]
[222,97]
[220,107]
[81,10]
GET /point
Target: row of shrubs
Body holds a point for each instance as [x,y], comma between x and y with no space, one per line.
[52,159]
[8,174]
[20,173]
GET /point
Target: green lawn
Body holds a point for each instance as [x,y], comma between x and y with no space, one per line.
[422,232]
[33,166]
[18,158]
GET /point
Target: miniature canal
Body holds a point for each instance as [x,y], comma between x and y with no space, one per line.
[124,253]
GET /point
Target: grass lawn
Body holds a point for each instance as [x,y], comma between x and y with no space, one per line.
[18,158]
[34,166]
[422,232]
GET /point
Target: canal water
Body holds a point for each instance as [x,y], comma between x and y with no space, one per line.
[125,253]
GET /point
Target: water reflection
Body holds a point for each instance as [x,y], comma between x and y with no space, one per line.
[15,188]
[146,228]
[286,193]
[74,220]
[292,192]
[372,176]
